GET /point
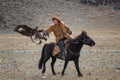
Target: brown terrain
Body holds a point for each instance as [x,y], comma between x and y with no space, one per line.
[19,56]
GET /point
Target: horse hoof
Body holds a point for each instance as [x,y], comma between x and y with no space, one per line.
[39,67]
[54,74]
[80,75]
[43,77]
[62,74]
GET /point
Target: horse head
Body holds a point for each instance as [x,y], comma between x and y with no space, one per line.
[85,39]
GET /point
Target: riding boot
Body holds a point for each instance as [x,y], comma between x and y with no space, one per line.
[62,51]
[61,46]
[62,55]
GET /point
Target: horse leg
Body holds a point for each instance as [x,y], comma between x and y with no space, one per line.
[65,65]
[103,2]
[44,65]
[87,2]
[52,65]
[76,62]
[99,2]
[111,1]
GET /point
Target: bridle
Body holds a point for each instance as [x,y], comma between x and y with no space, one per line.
[77,42]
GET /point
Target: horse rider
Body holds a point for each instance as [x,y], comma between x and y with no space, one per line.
[61,32]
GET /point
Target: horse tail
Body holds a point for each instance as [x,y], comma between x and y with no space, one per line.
[42,57]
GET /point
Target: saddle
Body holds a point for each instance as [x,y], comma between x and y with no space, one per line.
[57,49]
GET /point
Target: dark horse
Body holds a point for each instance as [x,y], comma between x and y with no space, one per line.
[73,52]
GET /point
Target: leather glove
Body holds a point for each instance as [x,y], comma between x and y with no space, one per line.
[44,33]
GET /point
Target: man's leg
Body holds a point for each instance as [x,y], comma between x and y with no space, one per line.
[61,46]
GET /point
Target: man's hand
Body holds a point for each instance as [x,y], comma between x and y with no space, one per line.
[44,34]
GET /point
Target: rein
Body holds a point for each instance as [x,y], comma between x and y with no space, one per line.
[74,42]
[77,42]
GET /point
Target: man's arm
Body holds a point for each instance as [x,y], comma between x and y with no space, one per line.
[47,31]
[68,29]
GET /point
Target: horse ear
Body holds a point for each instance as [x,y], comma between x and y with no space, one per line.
[84,33]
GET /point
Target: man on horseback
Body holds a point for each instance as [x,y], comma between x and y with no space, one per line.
[61,32]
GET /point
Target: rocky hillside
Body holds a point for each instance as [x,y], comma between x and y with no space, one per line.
[39,13]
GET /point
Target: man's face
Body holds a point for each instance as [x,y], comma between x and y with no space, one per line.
[55,21]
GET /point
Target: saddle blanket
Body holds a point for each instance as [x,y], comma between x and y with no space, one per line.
[56,50]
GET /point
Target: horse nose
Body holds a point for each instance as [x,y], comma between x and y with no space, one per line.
[93,43]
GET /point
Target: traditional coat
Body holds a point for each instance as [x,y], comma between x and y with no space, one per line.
[60,31]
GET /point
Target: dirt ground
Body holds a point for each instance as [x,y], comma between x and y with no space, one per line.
[94,65]
[101,23]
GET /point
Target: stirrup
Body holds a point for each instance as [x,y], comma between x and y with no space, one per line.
[61,56]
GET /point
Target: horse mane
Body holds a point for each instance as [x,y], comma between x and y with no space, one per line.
[82,33]
[76,38]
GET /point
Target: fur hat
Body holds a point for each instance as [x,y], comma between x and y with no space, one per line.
[56,18]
